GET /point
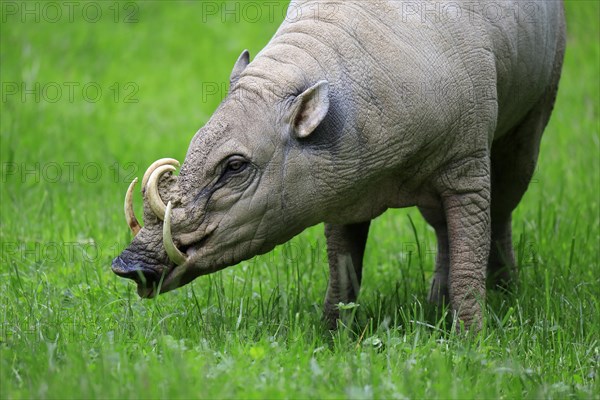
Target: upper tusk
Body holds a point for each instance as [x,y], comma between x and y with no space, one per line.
[129,213]
[156,204]
[175,255]
[155,165]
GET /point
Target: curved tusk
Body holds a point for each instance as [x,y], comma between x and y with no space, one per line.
[154,166]
[129,213]
[173,252]
[156,204]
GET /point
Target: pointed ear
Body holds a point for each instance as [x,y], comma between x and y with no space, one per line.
[240,65]
[308,110]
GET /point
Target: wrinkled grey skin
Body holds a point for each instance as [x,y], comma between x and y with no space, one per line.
[369,106]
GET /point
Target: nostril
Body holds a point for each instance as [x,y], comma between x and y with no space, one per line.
[120,267]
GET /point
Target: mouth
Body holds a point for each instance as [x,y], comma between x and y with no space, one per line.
[176,276]
[169,280]
[150,284]
[151,281]
[147,279]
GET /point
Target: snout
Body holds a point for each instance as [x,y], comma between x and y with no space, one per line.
[147,279]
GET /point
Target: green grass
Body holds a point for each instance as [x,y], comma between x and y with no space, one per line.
[71,329]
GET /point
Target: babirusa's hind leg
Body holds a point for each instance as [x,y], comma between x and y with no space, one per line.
[514,157]
[513,163]
[502,269]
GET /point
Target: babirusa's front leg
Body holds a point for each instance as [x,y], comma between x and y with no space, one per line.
[467,206]
[345,250]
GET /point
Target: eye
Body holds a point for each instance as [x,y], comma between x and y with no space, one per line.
[236,164]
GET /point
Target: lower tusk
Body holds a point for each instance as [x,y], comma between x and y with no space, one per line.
[173,252]
[129,213]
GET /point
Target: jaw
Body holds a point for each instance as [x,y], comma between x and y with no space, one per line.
[202,260]
[207,250]
[177,276]
[169,281]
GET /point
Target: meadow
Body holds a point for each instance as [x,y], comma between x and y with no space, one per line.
[93,92]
